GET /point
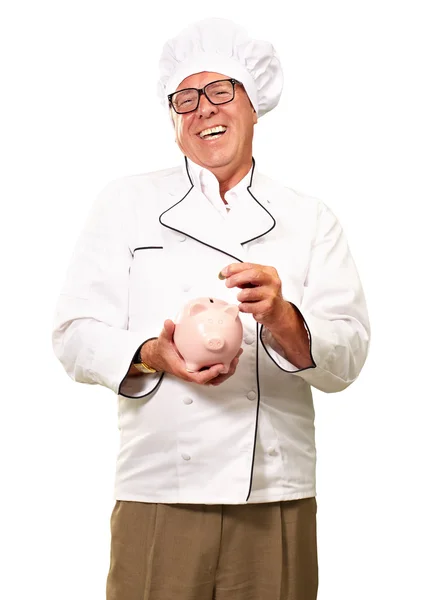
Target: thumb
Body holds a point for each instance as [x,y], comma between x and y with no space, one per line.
[169,328]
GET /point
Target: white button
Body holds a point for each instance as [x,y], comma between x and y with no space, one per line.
[185,456]
[186,287]
[271,450]
[249,339]
[187,400]
[251,395]
[182,238]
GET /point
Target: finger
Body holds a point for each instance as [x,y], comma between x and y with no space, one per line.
[254,308]
[206,375]
[255,294]
[248,277]
[235,268]
[222,378]
[235,360]
[234,363]
[169,328]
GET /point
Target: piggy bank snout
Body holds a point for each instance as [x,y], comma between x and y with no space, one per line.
[214,342]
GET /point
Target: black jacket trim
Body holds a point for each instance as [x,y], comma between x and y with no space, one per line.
[237,260]
[310,347]
[184,232]
[257,415]
[134,360]
[149,248]
[261,205]
[144,395]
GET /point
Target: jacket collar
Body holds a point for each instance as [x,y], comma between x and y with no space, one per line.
[192,214]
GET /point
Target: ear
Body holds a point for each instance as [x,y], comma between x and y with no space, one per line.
[231,310]
[196,308]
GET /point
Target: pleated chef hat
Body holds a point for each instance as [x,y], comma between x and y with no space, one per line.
[220,46]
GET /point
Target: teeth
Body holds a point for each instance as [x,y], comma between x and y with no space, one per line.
[218,129]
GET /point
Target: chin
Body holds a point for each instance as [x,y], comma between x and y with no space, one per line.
[215,161]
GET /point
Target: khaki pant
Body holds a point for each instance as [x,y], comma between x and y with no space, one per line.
[220,552]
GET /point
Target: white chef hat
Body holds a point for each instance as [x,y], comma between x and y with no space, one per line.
[221,46]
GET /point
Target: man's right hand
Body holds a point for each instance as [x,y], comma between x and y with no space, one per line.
[162,354]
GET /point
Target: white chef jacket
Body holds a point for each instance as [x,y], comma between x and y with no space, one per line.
[207,183]
[152,243]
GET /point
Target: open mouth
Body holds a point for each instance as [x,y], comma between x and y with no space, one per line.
[213,132]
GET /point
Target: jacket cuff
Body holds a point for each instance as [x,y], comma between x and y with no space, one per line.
[275,352]
[138,386]
[325,373]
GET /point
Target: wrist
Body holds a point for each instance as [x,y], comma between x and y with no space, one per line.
[143,361]
[149,355]
[291,335]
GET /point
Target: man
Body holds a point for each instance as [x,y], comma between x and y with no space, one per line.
[215,483]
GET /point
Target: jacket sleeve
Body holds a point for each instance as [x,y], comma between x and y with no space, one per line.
[334,311]
[91,337]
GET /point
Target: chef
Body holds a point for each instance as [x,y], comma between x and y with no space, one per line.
[215,479]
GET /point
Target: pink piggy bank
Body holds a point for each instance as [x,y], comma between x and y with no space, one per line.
[207,332]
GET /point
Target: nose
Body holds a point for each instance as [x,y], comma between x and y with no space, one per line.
[214,343]
[205,108]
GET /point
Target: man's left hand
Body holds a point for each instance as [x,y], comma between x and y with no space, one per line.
[261,291]
[261,296]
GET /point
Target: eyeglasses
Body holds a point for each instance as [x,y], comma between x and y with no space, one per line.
[221,91]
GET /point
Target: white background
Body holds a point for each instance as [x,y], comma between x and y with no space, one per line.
[79,109]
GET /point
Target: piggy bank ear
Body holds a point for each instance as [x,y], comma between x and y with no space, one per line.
[232,310]
[196,308]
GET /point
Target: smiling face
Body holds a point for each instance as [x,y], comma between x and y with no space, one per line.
[227,153]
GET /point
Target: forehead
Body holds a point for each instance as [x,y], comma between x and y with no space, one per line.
[199,80]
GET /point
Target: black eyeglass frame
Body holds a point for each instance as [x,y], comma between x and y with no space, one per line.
[202,91]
